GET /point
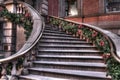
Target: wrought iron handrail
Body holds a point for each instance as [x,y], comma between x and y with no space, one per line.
[38,26]
[113,39]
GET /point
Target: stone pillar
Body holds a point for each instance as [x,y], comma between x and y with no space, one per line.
[38,5]
[8,39]
[102,6]
[80,8]
[9,34]
[1,1]
[44,7]
[61,11]
[29,2]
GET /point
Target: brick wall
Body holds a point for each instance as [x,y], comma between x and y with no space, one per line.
[53,7]
[93,13]
[109,22]
[90,7]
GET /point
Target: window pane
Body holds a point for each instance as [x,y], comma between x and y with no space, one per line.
[71,8]
[112,5]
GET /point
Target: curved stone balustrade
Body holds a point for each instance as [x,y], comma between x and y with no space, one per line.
[113,40]
[27,52]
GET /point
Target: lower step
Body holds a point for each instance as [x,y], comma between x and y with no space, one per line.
[38,77]
[69,74]
[69,58]
[87,66]
[71,53]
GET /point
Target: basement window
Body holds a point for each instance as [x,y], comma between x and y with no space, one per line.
[112,5]
[71,7]
[6,48]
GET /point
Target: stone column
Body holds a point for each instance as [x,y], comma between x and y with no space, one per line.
[29,2]
[44,7]
[1,1]
[80,8]
[9,34]
[102,6]
[61,8]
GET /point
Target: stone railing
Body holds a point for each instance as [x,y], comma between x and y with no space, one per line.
[17,63]
[105,41]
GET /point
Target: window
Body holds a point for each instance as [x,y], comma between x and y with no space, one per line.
[112,5]
[7,48]
[71,7]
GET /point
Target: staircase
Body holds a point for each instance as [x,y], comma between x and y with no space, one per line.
[63,57]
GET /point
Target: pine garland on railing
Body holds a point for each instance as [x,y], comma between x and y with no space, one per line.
[98,40]
[19,19]
[19,62]
[75,29]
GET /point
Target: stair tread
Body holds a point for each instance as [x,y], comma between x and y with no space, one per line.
[56,34]
[73,63]
[62,41]
[53,31]
[54,50]
[38,77]
[73,72]
[56,37]
[69,56]
[67,45]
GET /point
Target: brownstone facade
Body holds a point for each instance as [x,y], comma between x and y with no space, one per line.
[53,7]
[91,12]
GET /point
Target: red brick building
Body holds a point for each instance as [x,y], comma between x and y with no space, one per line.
[102,13]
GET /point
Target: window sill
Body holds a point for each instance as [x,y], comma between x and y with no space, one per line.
[113,12]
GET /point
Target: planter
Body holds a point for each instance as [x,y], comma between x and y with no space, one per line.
[60,28]
[74,35]
[106,56]
[77,35]
[87,40]
[84,37]
[67,32]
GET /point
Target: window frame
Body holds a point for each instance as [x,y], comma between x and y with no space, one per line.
[112,11]
[67,8]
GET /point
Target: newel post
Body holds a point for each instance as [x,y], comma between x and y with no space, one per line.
[14,71]
[25,64]
[4,72]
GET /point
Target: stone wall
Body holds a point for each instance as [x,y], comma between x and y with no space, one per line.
[53,7]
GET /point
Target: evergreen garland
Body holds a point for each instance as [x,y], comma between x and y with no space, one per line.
[19,19]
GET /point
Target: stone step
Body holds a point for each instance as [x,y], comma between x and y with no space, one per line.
[49,28]
[64,57]
[69,51]
[71,43]
[76,53]
[66,47]
[61,58]
[59,38]
[1,55]
[70,74]
[56,34]
[76,57]
[62,41]
[49,47]
[52,31]
[87,66]
[38,77]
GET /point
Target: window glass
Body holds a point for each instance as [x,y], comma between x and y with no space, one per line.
[112,5]
[71,7]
